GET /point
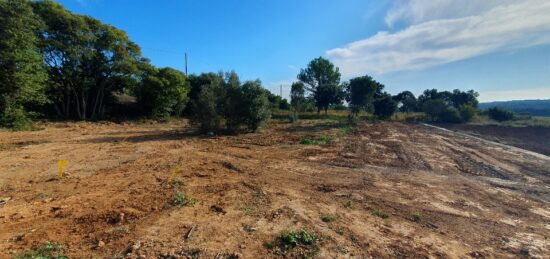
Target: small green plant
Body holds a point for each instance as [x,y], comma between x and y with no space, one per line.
[180,199]
[380,214]
[328,218]
[323,140]
[288,240]
[416,217]
[348,205]
[49,250]
[178,182]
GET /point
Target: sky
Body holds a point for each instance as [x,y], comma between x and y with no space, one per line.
[500,48]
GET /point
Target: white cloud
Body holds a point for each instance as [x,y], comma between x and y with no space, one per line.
[432,39]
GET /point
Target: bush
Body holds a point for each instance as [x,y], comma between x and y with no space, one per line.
[164,94]
[499,114]
[16,119]
[467,113]
[434,108]
[385,107]
[233,104]
[450,116]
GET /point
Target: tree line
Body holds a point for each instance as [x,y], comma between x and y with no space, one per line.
[57,64]
[320,80]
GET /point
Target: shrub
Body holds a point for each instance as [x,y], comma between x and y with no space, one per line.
[499,114]
[49,250]
[16,119]
[450,116]
[181,199]
[164,93]
[385,107]
[380,214]
[288,240]
[255,105]
[434,108]
[467,113]
[328,218]
[205,109]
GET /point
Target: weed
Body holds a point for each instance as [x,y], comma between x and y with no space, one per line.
[259,191]
[328,218]
[380,214]
[354,239]
[178,182]
[416,217]
[288,240]
[180,199]
[49,250]
[323,140]
[348,205]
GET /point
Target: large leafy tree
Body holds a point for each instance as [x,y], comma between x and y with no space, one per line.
[164,93]
[361,92]
[87,61]
[322,80]
[407,100]
[22,74]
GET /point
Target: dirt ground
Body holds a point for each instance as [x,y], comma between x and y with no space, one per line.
[534,138]
[395,191]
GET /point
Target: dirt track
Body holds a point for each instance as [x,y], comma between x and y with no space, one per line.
[475,200]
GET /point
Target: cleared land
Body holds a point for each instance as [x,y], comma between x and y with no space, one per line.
[379,190]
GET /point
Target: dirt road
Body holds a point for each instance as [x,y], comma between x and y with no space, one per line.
[390,189]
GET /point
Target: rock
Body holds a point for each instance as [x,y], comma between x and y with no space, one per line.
[100,244]
[4,200]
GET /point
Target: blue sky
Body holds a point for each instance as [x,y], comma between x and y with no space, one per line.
[501,48]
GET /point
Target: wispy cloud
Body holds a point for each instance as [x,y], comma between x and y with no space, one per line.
[432,38]
[520,94]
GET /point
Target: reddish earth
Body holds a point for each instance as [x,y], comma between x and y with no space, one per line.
[470,198]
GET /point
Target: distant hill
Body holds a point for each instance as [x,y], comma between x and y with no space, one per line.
[531,107]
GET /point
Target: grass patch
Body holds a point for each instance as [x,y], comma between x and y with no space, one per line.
[328,218]
[348,205]
[49,250]
[380,214]
[181,199]
[288,240]
[416,217]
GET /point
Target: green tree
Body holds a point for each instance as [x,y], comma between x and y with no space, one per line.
[87,61]
[385,107]
[467,112]
[322,80]
[22,74]
[360,93]
[407,100]
[206,108]
[297,98]
[255,104]
[434,108]
[164,93]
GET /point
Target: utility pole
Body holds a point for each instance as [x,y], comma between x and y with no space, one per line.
[186,63]
[281,87]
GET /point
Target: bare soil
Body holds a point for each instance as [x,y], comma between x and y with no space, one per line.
[444,195]
[533,138]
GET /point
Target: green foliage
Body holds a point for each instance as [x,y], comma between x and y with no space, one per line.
[49,250]
[254,104]
[416,217]
[434,108]
[380,214]
[22,74]
[408,102]
[297,98]
[163,93]
[500,114]
[288,240]
[385,107]
[323,140]
[322,80]
[360,93]
[225,100]
[348,205]
[450,115]
[467,112]
[181,199]
[328,218]
[87,61]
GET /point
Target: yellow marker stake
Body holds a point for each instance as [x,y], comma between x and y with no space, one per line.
[62,164]
[174,171]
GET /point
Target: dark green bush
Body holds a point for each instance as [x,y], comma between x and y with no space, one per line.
[385,107]
[467,113]
[164,93]
[500,114]
[450,116]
